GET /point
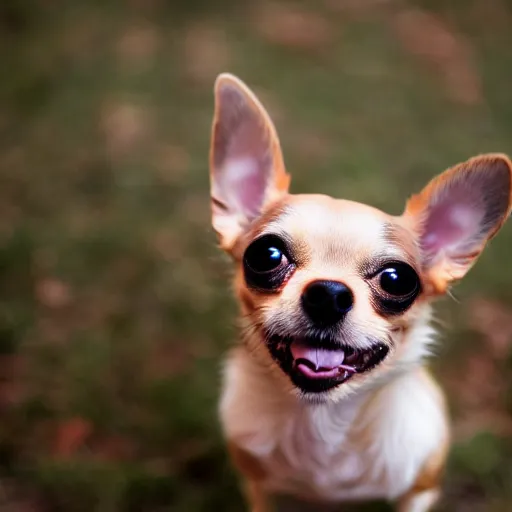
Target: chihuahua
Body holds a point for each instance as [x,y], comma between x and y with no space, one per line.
[326,398]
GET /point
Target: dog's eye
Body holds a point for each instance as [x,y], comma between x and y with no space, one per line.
[399,280]
[266,263]
[265,254]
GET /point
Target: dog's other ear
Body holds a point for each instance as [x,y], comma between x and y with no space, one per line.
[246,165]
[457,213]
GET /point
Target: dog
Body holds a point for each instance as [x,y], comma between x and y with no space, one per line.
[326,398]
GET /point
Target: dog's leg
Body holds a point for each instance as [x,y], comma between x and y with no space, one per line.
[257,498]
[426,489]
[421,501]
[253,474]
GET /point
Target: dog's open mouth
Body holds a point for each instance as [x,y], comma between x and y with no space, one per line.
[316,366]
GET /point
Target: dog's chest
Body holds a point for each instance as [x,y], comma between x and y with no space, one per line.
[363,447]
[315,454]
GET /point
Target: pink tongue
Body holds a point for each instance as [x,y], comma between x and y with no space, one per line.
[320,358]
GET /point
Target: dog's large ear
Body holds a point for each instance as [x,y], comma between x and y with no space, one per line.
[246,165]
[457,213]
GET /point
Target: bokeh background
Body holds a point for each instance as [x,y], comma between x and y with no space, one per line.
[115,303]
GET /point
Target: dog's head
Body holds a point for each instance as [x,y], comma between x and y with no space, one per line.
[329,288]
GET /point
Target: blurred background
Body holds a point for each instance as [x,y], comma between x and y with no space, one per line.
[115,303]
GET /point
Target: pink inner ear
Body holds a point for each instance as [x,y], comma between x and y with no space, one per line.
[454,223]
[242,155]
[245,182]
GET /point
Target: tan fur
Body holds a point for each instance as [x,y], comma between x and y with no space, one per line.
[257,497]
[248,465]
[384,431]
[254,473]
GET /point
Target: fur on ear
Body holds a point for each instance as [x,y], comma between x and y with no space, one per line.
[246,165]
[457,213]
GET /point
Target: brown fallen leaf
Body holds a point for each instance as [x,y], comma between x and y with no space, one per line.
[358,9]
[292,26]
[445,51]
[12,394]
[12,381]
[137,46]
[493,321]
[124,125]
[498,423]
[478,388]
[476,383]
[166,359]
[18,497]
[53,293]
[114,448]
[71,436]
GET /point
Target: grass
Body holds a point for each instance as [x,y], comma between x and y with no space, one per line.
[115,304]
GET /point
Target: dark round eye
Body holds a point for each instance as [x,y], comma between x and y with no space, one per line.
[265,254]
[399,280]
[266,263]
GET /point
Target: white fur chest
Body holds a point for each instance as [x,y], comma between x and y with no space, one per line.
[368,446]
[313,456]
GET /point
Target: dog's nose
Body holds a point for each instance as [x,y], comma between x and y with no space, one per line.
[327,302]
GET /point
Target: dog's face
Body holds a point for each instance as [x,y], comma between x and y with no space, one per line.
[329,288]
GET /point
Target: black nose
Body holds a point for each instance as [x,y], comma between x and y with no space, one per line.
[326,302]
